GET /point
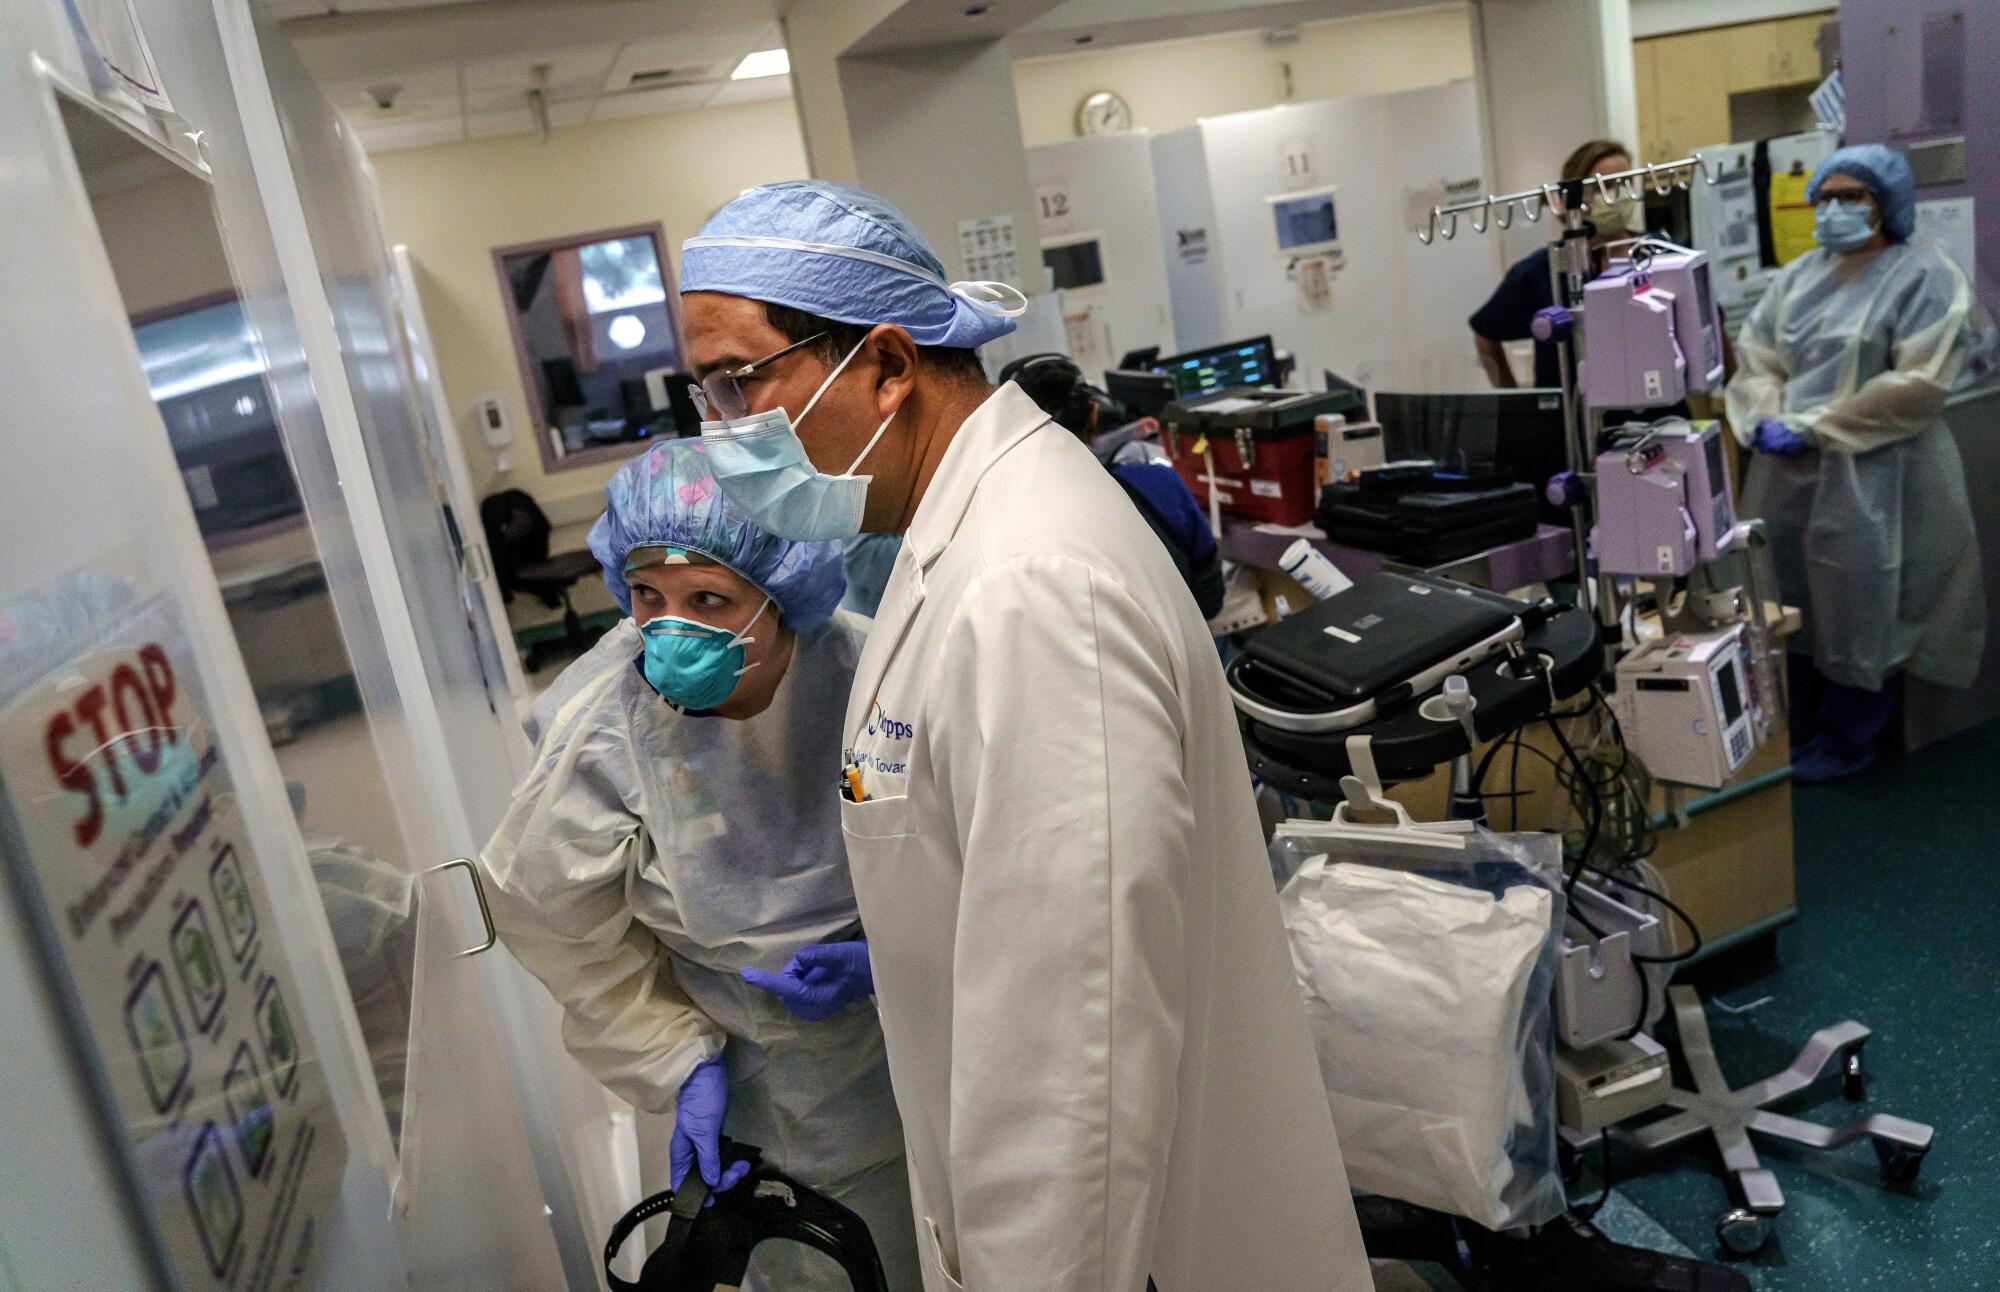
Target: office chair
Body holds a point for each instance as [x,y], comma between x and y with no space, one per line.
[517,533]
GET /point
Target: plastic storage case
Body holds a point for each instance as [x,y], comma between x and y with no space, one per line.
[1260,444]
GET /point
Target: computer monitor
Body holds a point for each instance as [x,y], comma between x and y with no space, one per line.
[1142,394]
[559,379]
[1250,362]
[1334,381]
[1520,430]
[1074,262]
[1304,222]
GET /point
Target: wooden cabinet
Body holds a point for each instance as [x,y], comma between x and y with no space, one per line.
[1644,56]
[1683,81]
[1798,48]
[1753,56]
[1691,89]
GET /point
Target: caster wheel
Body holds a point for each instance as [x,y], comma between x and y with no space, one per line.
[1742,1231]
[1853,1077]
[1900,1163]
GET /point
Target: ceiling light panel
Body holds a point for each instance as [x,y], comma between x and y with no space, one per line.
[763,62]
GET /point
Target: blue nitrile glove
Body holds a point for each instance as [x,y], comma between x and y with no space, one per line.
[1773,436]
[698,1129]
[819,980]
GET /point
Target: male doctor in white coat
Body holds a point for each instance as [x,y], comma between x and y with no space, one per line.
[1095,1037]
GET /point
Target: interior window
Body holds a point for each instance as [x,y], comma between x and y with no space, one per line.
[598,341]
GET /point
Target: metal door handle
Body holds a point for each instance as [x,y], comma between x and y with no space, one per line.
[479,892]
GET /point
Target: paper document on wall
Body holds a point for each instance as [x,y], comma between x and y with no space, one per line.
[115,47]
[1088,338]
[153,904]
[1791,217]
[986,248]
[1946,223]
[1314,276]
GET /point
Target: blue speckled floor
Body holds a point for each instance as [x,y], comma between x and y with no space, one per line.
[1898,887]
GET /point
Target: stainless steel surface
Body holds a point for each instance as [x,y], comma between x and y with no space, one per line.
[1662,178]
[1730,1115]
[479,893]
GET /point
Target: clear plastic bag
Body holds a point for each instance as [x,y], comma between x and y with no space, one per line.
[1428,958]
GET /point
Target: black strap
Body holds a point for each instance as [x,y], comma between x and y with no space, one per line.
[684,1204]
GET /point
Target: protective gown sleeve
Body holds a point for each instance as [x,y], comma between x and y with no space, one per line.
[1060,752]
[558,873]
[1929,347]
[1757,391]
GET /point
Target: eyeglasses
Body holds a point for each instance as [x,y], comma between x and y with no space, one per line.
[719,395]
[1847,196]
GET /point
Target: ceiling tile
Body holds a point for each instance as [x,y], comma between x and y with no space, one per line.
[711,56]
[381,6]
[387,136]
[572,72]
[639,103]
[487,125]
[751,91]
[572,113]
[416,95]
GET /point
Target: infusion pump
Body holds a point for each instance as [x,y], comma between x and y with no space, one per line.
[1688,705]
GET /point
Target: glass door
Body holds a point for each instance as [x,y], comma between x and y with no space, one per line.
[485,612]
[469,745]
[308,620]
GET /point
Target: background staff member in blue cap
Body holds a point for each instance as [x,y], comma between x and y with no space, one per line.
[1846,363]
[1098,1044]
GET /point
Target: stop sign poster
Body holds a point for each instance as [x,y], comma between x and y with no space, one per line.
[153,906]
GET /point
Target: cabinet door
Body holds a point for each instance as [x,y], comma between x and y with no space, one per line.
[1645,81]
[1797,45]
[1753,56]
[1691,71]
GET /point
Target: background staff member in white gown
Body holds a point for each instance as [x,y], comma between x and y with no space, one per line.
[1099,1046]
[1847,362]
[675,836]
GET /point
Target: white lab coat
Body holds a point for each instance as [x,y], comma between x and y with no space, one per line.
[1098,1045]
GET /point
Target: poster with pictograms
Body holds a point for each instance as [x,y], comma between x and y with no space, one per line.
[133,850]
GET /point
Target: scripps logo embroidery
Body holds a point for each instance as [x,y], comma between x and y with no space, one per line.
[881,724]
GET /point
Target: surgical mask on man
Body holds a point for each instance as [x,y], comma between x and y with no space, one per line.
[1841,227]
[692,664]
[762,468]
[1616,216]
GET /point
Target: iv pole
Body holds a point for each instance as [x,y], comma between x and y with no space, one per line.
[1570,268]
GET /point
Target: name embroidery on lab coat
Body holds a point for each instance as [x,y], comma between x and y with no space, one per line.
[891,731]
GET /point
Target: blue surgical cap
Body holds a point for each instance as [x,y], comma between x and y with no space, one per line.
[667,497]
[842,253]
[1887,174]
